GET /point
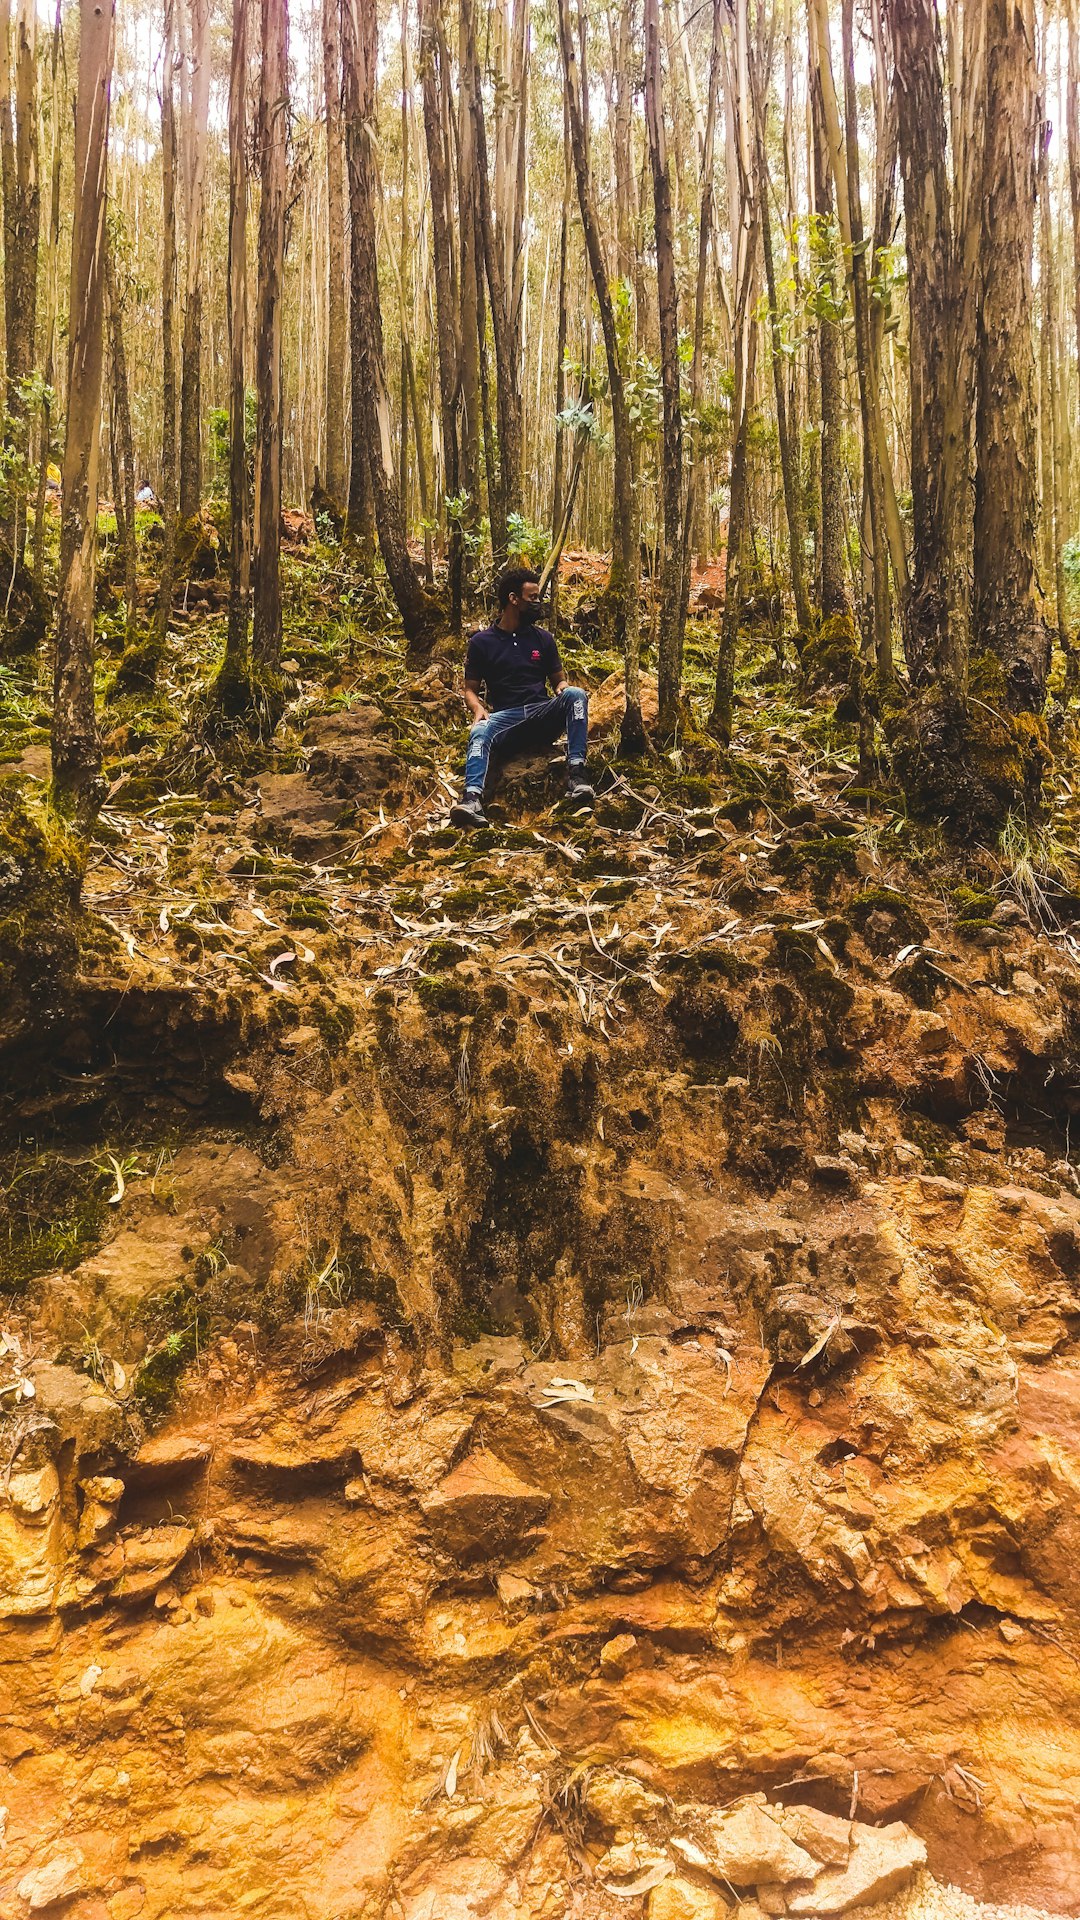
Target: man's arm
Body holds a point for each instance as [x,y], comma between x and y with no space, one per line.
[555,671]
[476,707]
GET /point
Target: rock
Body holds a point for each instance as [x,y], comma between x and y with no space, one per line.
[882,1862]
[514,1591]
[482,1508]
[619,1656]
[1011,1631]
[607,704]
[746,1846]
[61,1877]
[833,1170]
[681,1900]
[618,1800]
[633,1866]
[296,810]
[822,1834]
[345,754]
[150,1557]
[299,1040]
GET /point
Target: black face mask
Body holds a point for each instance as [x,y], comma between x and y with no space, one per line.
[530,612]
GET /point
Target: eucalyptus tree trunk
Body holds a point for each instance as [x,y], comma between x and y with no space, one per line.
[76,746]
[22,225]
[789,455]
[52,297]
[168,328]
[272,135]
[507,498]
[336,312]
[941,281]
[672,603]
[419,613]
[121,416]
[744,220]
[432,81]
[469,303]
[833,571]
[626,550]
[196,93]
[559,462]
[1053,475]
[881,620]
[706,222]
[1007,618]
[234,679]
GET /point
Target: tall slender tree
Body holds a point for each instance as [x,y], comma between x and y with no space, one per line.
[336,309]
[195,94]
[420,615]
[22,225]
[272,134]
[1008,619]
[626,553]
[76,747]
[233,688]
[672,599]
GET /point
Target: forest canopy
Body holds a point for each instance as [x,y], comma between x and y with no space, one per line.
[788,286]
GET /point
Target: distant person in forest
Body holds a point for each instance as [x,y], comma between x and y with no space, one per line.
[509,668]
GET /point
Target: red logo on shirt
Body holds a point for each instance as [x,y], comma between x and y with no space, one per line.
[536,653]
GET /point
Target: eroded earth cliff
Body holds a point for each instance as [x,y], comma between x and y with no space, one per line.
[539,1376]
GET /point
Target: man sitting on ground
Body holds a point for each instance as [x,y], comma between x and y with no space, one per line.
[515,661]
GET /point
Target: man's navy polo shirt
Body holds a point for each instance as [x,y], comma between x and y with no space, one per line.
[515,667]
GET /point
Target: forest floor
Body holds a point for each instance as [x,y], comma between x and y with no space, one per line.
[514,1346]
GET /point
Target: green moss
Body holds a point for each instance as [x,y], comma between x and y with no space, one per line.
[965,759]
[615,889]
[821,860]
[54,1212]
[463,903]
[906,918]
[308,910]
[156,1380]
[137,669]
[830,657]
[973,903]
[445,953]
[41,869]
[440,994]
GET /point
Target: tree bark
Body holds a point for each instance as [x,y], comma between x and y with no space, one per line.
[431,80]
[507,370]
[52,300]
[336,315]
[941,370]
[626,548]
[833,569]
[122,429]
[672,604]
[789,458]
[197,95]
[881,619]
[1007,619]
[168,328]
[419,614]
[22,224]
[234,678]
[272,145]
[76,747]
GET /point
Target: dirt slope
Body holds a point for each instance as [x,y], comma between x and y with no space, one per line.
[536,1342]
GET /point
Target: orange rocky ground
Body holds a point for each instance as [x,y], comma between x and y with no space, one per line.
[573,1408]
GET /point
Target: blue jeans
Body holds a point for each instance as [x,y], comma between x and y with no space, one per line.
[515,730]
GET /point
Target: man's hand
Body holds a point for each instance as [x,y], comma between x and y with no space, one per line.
[477,709]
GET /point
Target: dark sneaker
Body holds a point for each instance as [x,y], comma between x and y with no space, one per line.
[469,813]
[578,791]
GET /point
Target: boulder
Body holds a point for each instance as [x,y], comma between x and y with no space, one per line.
[619,1656]
[680,1899]
[618,1800]
[745,1846]
[345,756]
[482,1509]
[607,704]
[822,1834]
[57,1880]
[883,1861]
